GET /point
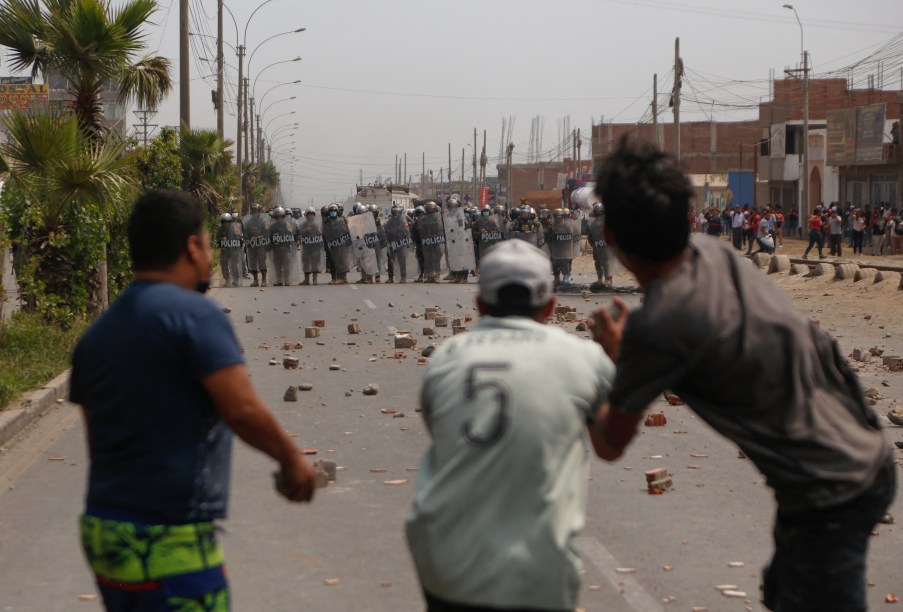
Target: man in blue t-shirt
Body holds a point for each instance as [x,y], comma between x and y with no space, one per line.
[162,384]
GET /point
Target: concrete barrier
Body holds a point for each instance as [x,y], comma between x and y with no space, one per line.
[762,260]
[799,269]
[866,274]
[779,263]
[823,269]
[845,271]
[892,278]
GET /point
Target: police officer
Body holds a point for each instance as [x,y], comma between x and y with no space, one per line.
[601,253]
[310,234]
[229,239]
[560,239]
[257,239]
[282,239]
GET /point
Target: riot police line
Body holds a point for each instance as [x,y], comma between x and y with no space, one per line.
[434,241]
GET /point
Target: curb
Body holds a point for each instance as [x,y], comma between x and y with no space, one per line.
[34,405]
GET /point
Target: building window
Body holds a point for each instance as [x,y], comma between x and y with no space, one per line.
[884,189]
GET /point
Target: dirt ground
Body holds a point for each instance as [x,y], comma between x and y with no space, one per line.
[861,315]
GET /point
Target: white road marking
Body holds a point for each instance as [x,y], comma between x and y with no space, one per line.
[370,304]
[591,549]
[352,287]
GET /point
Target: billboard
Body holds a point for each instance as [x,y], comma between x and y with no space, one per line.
[870,132]
[741,185]
[23,96]
[842,137]
[778,140]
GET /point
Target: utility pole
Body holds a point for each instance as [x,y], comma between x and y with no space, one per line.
[474,192]
[184,66]
[450,177]
[259,141]
[407,180]
[220,70]
[238,113]
[510,186]
[655,111]
[574,151]
[483,161]
[423,174]
[247,136]
[463,180]
[252,132]
[804,209]
[143,117]
[579,147]
[678,75]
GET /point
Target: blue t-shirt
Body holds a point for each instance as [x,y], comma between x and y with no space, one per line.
[159,451]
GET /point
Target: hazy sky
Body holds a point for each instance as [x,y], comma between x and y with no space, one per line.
[381,78]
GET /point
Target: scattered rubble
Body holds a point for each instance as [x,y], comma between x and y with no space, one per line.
[290,363]
[404,340]
[656,419]
[354,328]
[291,394]
[249,318]
[311,332]
[371,389]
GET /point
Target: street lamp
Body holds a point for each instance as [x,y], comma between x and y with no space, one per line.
[285,114]
[272,104]
[264,94]
[804,178]
[265,68]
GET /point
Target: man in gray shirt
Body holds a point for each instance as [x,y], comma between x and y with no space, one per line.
[835,227]
[727,340]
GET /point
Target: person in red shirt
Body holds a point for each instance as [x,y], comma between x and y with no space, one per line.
[815,235]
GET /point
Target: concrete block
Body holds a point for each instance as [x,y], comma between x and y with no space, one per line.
[845,271]
[866,274]
[311,332]
[762,260]
[891,278]
[405,340]
[823,269]
[290,363]
[354,328]
[779,264]
[440,321]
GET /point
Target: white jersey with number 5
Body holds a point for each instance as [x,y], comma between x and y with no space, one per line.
[502,491]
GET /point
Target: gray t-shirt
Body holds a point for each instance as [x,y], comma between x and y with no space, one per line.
[501,493]
[727,340]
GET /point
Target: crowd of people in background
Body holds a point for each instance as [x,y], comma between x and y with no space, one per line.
[869,230]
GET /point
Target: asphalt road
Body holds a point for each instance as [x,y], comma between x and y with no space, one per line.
[641,552]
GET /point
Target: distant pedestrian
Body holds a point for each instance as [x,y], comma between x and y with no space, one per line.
[835,233]
[161,380]
[737,220]
[858,229]
[501,493]
[815,235]
[727,341]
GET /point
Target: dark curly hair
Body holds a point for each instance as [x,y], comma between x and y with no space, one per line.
[646,199]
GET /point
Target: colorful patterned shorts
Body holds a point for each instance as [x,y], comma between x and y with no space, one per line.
[156,568]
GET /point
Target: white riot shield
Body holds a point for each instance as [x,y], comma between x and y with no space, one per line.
[283,254]
[400,249]
[229,240]
[382,248]
[458,240]
[560,239]
[313,253]
[432,241]
[338,245]
[365,242]
[490,231]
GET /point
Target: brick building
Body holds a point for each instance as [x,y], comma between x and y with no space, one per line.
[850,177]
[547,177]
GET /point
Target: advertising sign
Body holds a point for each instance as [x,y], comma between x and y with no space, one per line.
[23,96]
[870,132]
[841,137]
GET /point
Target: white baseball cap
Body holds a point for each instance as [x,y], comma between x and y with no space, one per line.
[516,262]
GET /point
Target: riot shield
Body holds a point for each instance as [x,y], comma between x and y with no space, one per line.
[338,243]
[458,240]
[229,241]
[365,241]
[526,231]
[283,254]
[313,254]
[605,261]
[490,231]
[432,241]
[257,239]
[382,248]
[561,239]
[400,249]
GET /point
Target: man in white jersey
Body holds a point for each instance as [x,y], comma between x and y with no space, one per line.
[502,492]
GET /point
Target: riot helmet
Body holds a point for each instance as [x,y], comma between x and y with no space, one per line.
[225,218]
[598,209]
[279,212]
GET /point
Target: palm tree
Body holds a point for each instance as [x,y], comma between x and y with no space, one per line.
[68,185]
[207,160]
[90,44]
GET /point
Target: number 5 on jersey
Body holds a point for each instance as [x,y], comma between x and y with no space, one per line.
[486,389]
